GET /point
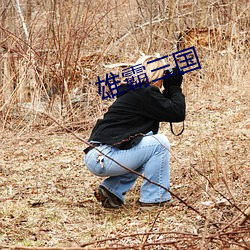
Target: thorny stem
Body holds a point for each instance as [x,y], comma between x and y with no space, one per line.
[234,205]
[172,235]
[223,179]
[179,236]
[156,217]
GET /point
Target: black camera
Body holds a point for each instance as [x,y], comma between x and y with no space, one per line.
[169,71]
[172,77]
[173,71]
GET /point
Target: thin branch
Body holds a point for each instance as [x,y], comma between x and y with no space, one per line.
[183,235]
[130,32]
[216,190]
[153,224]
[150,9]
[19,11]
[171,19]
[246,217]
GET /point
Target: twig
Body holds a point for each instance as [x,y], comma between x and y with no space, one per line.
[156,217]
[175,237]
[140,234]
[223,179]
[235,244]
[180,237]
[39,248]
[130,32]
[234,205]
[231,223]
[246,217]
[19,11]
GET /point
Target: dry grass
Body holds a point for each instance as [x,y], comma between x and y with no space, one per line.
[46,194]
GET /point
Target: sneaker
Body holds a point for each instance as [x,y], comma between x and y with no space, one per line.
[107,199]
[151,206]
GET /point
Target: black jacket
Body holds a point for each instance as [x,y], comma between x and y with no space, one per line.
[135,113]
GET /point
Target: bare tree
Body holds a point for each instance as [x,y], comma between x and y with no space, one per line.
[6,62]
[150,10]
[171,19]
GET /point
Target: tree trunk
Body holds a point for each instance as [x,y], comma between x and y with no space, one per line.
[6,65]
[150,10]
[28,87]
[171,20]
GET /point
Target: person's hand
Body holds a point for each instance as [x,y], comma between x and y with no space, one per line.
[173,78]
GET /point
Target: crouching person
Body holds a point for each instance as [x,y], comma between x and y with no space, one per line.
[128,134]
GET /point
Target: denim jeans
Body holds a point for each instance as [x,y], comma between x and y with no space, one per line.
[149,157]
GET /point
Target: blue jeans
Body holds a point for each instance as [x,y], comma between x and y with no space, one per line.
[149,157]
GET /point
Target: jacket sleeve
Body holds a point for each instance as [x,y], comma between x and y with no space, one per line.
[170,107]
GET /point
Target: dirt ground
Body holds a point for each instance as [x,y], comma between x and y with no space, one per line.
[46,193]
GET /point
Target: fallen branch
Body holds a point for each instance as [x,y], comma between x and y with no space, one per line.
[174,237]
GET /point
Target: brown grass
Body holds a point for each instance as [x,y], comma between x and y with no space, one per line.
[46,197]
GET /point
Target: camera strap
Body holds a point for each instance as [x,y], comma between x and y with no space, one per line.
[172,130]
